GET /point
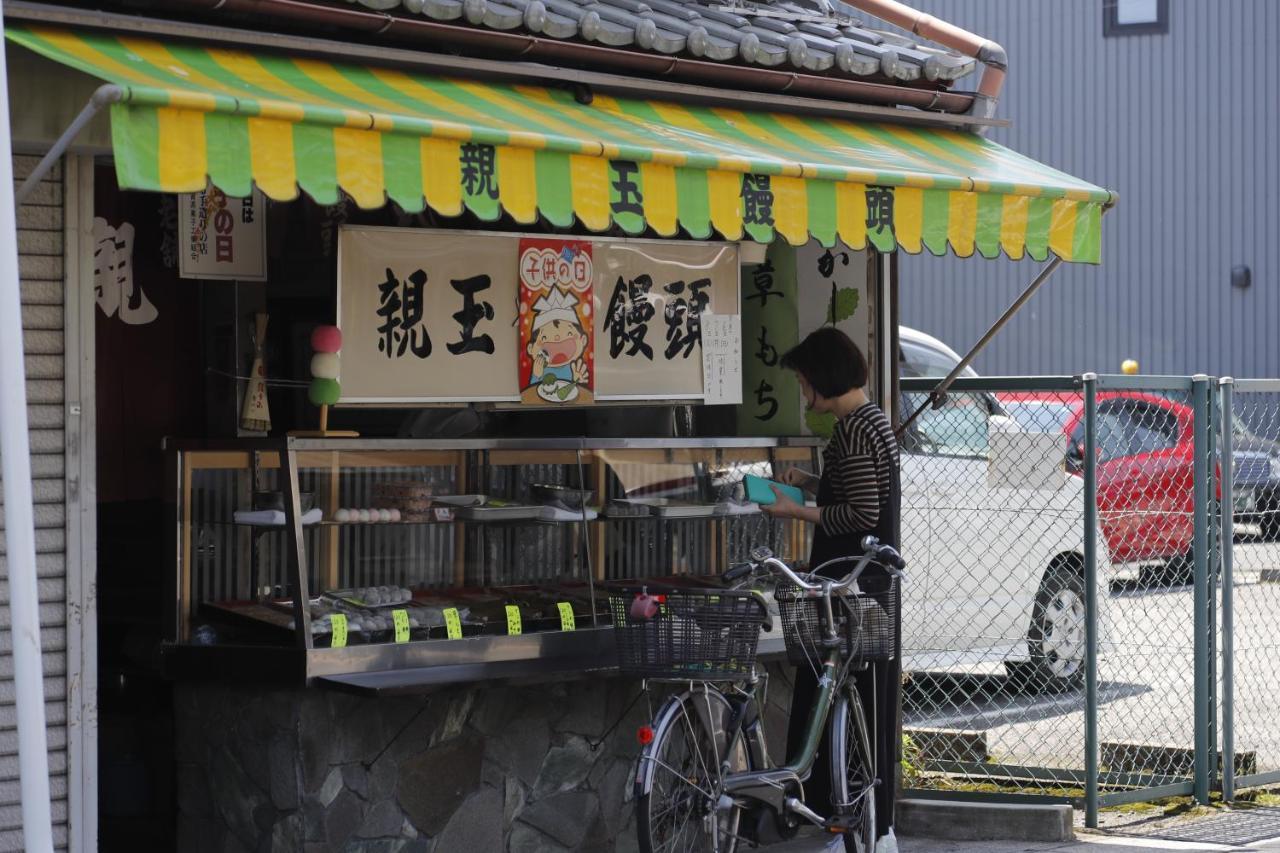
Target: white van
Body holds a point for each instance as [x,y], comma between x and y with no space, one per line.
[996,570]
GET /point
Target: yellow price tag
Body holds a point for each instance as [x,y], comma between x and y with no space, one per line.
[339,637]
[513,620]
[566,616]
[400,618]
[452,624]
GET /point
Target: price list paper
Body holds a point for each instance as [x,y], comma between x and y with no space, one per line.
[722,359]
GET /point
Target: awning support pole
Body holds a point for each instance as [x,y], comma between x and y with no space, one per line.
[935,397]
[108,93]
[19,515]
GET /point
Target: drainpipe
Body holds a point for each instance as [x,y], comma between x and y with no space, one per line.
[533,48]
[987,52]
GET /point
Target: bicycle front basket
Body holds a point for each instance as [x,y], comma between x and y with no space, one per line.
[697,634]
[866,622]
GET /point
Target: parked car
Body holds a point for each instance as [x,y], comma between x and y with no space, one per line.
[997,572]
[1145,448]
[1262,505]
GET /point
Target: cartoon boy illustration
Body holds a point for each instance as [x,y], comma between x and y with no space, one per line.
[558,341]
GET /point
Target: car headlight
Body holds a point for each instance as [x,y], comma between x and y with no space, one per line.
[1275,467]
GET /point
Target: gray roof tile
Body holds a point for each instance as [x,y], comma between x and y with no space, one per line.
[820,36]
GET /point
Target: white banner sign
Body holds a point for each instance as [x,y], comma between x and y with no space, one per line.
[222,237]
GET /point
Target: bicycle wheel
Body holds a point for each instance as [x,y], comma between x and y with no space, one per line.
[678,788]
[853,774]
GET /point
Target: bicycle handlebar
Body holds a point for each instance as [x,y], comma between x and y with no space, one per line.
[872,551]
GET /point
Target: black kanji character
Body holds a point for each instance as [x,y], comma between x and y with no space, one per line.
[630,200]
[472,313]
[628,316]
[684,316]
[401,308]
[757,200]
[479,169]
[762,281]
[879,209]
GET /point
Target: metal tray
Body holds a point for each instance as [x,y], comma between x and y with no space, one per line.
[667,508]
[506,512]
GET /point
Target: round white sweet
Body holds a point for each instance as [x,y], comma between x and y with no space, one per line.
[325,365]
[395,514]
[342,516]
[363,515]
[384,515]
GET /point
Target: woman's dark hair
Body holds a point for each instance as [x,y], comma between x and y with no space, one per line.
[830,362]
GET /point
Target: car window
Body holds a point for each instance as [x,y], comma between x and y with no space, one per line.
[917,360]
[1114,429]
[1150,428]
[959,428]
[1038,415]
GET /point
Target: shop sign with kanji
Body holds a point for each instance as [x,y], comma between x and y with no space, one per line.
[222,237]
[435,316]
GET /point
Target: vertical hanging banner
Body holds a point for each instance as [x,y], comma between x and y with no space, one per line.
[221,237]
[557,355]
[453,317]
[769,328]
[833,292]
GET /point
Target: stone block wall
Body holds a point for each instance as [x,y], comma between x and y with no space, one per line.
[482,769]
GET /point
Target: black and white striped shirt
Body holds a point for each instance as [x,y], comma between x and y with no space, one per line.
[861,460]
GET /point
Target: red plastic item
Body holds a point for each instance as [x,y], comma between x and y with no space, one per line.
[644,606]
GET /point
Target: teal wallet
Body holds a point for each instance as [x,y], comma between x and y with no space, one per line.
[759,490]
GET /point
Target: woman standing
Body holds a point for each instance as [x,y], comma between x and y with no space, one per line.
[857,496]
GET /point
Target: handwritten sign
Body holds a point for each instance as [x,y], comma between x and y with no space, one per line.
[338,638]
[514,625]
[722,359]
[400,620]
[452,623]
[448,317]
[221,237]
[769,322]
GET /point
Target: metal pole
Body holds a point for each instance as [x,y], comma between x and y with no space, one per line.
[1228,539]
[1090,381]
[19,516]
[941,389]
[1201,484]
[1211,596]
[108,93]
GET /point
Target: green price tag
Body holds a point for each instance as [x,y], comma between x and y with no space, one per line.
[401,620]
[566,616]
[513,620]
[339,638]
[452,624]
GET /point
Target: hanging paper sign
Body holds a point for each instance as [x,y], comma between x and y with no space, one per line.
[833,287]
[222,237]
[452,317]
[769,325]
[400,621]
[721,359]
[556,348]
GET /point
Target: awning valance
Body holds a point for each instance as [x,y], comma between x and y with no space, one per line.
[193,114]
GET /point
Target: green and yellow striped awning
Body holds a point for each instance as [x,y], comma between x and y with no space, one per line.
[194,114]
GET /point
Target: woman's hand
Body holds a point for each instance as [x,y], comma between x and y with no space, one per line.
[782,507]
[796,477]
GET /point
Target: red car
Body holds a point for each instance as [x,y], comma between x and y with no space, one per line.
[1145,457]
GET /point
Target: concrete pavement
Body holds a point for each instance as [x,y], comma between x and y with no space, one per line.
[1086,842]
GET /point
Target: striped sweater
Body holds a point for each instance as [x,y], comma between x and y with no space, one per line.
[861,460]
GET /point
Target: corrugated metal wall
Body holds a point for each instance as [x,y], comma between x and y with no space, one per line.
[1184,126]
[40,247]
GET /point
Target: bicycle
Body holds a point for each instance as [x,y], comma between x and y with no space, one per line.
[705,764]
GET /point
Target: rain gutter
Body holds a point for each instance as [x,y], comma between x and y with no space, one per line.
[986,51]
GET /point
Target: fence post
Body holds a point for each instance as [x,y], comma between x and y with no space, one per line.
[1090,382]
[1202,482]
[1211,598]
[1227,539]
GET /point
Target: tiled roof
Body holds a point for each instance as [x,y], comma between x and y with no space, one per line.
[815,36]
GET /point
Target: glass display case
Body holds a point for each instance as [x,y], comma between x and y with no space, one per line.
[344,558]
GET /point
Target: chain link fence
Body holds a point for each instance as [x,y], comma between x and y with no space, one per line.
[995,624]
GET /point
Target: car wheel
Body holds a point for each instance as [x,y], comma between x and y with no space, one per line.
[1056,637]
